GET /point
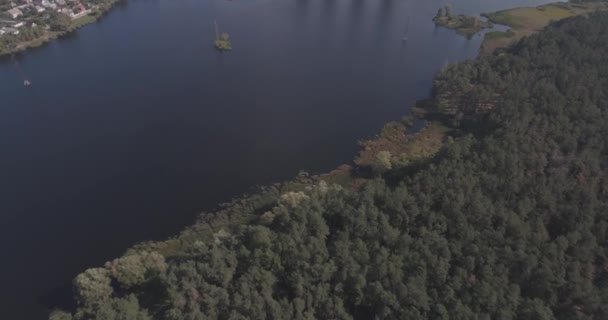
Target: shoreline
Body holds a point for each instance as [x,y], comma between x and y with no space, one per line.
[520,21]
[525,21]
[406,152]
[212,226]
[55,35]
[353,175]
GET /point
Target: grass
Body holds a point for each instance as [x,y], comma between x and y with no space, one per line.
[495,35]
[83,21]
[51,35]
[528,20]
[533,19]
[403,147]
[498,39]
[36,42]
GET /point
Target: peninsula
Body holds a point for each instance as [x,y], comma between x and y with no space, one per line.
[30,23]
[525,21]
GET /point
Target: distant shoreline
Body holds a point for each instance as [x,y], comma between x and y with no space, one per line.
[53,35]
[524,21]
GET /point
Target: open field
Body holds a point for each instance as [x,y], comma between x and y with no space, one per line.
[527,20]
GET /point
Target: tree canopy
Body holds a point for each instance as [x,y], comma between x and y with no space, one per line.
[59,21]
[509,220]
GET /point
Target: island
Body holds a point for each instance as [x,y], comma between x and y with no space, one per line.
[465,25]
[223,43]
[30,23]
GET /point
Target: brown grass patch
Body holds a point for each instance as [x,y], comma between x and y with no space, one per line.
[528,20]
[403,148]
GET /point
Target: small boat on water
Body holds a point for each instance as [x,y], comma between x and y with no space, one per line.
[27,83]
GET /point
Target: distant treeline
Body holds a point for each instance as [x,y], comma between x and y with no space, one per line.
[509,220]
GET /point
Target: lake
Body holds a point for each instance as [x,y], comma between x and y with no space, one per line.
[134,125]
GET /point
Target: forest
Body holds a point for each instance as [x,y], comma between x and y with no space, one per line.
[508,219]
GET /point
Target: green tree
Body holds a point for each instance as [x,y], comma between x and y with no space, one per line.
[60,315]
[383,162]
[507,221]
[93,285]
[134,269]
[59,21]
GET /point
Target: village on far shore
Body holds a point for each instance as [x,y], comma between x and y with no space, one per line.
[29,13]
[31,23]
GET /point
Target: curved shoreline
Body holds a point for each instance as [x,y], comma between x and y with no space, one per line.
[519,22]
[54,35]
[211,225]
[410,150]
[524,21]
[353,176]
[467,199]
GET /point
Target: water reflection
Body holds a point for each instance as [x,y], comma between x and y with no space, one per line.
[354,21]
[327,32]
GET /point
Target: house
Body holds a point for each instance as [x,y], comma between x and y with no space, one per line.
[14,13]
[18,25]
[11,31]
[79,14]
[39,9]
[44,3]
[2,32]
[61,2]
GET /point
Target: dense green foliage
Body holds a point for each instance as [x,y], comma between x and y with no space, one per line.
[59,21]
[58,24]
[465,25]
[9,41]
[508,221]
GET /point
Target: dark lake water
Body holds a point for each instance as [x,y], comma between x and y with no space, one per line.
[136,124]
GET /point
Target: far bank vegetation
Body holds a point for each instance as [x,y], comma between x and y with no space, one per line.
[465,25]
